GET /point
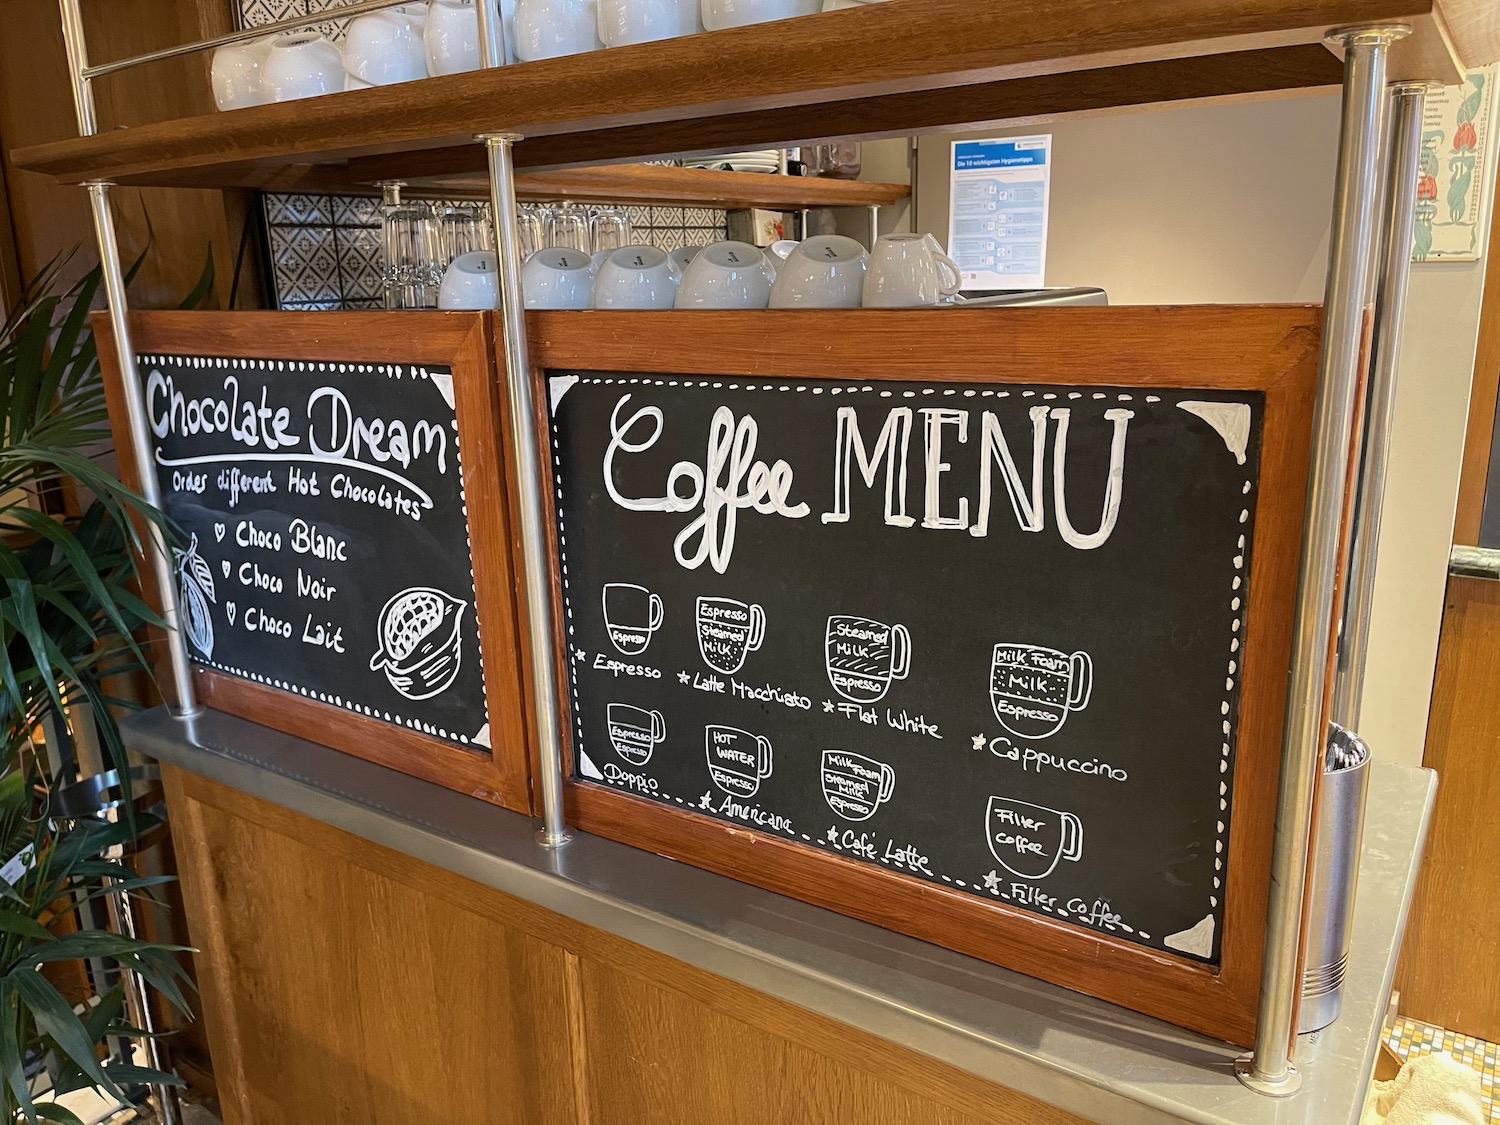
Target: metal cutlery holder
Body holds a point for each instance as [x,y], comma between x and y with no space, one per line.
[1335,873]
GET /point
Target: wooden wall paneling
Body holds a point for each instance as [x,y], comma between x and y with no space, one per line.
[460,340]
[336,993]
[602,1030]
[1447,972]
[1185,347]
[1474,475]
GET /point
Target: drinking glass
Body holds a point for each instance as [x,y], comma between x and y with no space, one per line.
[464,230]
[414,258]
[529,232]
[610,228]
[570,228]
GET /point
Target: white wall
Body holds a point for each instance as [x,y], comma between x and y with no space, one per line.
[1230,203]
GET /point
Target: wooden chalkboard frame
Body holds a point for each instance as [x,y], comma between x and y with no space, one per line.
[1273,349]
[462,342]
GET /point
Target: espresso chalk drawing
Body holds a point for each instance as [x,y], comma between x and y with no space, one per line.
[421,648]
[195,584]
[864,656]
[855,786]
[1033,688]
[632,615]
[1030,840]
[635,732]
[728,631]
[738,761]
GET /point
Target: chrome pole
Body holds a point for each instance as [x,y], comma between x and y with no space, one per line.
[527,459]
[1403,140]
[491,44]
[140,441]
[1269,1069]
[78,65]
[874,224]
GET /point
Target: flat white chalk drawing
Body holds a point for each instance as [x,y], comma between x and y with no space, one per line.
[862,657]
[420,641]
[1030,840]
[855,786]
[1033,689]
[1231,419]
[728,631]
[195,583]
[738,761]
[634,731]
[632,615]
[1199,940]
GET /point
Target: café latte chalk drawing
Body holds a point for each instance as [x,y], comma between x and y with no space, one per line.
[981,635]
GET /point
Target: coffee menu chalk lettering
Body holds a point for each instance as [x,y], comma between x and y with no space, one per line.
[324,543]
[987,636]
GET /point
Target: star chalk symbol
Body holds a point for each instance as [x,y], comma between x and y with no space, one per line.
[579,654]
[992,882]
[706,801]
[828,707]
[979,741]
[833,835]
[684,677]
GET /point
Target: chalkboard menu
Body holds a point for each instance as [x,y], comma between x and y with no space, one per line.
[324,547]
[983,636]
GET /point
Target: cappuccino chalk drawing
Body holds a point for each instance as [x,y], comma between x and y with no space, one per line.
[864,656]
[728,631]
[940,609]
[632,615]
[1032,689]
[1029,840]
[855,786]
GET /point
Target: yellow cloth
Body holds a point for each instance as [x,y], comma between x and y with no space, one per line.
[1430,1090]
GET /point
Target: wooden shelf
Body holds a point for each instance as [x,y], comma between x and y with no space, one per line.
[878,70]
[689,187]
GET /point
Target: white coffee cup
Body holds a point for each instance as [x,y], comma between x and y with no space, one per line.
[622,22]
[236,74]
[353,83]
[557,277]
[383,48]
[636,277]
[301,66]
[682,256]
[779,251]
[450,37]
[826,271]
[726,275]
[908,270]
[548,29]
[471,281]
[719,14]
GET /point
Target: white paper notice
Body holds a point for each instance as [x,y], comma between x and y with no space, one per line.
[997,214]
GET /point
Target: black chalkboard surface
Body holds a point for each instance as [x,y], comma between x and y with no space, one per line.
[324,545]
[983,636]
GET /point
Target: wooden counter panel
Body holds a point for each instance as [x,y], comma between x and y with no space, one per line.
[343,982]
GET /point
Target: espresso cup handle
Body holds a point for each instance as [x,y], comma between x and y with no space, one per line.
[900,652]
[656,613]
[887,783]
[948,266]
[763,748]
[658,726]
[1072,845]
[1080,681]
[757,628]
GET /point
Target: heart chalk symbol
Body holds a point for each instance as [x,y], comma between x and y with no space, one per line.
[225,565]
[219,532]
[229,611]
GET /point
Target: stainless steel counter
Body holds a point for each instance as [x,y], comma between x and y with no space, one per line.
[1093,1059]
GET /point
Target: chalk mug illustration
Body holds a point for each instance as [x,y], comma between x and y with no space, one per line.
[728,631]
[855,786]
[420,641]
[1032,689]
[864,656]
[632,615]
[737,760]
[1030,840]
[634,731]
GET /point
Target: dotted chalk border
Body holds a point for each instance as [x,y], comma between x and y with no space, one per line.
[335,367]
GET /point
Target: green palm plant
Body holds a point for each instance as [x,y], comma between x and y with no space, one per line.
[68,619]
